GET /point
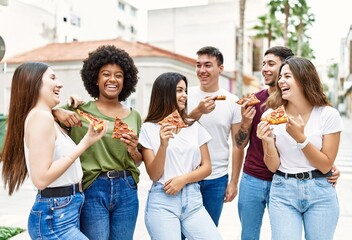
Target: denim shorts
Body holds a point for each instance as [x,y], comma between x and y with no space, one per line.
[56,218]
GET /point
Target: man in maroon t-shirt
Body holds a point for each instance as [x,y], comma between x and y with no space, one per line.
[256,178]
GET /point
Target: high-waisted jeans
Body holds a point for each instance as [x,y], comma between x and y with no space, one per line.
[312,203]
[167,215]
[56,218]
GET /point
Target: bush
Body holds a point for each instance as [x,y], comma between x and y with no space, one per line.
[8,232]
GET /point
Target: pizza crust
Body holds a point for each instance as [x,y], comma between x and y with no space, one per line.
[251,100]
[278,116]
[220,97]
[98,124]
[174,119]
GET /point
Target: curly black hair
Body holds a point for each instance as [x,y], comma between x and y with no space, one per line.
[109,54]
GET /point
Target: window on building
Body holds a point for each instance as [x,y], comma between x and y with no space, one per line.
[75,20]
[133,11]
[121,6]
[65,19]
[131,101]
[120,25]
[132,29]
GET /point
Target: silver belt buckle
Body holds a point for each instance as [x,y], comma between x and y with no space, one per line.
[303,174]
[108,174]
[80,187]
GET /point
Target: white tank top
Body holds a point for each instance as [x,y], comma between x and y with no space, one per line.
[63,147]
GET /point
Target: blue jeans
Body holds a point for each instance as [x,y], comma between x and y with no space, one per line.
[253,197]
[167,215]
[213,193]
[56,218]
[312,203]
[110,209]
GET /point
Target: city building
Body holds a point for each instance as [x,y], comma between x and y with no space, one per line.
[28,24]
[66,59]
[345,75]
[185,29]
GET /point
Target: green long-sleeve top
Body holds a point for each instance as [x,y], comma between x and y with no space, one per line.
[107,153]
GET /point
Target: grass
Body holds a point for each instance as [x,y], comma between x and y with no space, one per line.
[8,232]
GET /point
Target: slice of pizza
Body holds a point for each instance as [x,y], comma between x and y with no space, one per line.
[277,116]
[220,97]
[174,119]
[251,100]
[120,128]
[98,124]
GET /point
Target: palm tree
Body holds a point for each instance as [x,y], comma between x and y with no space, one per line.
[269,27]
[239,76]
[282,6]
[302,19]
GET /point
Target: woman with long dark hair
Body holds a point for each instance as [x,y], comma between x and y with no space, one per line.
[175,159]
[37,146]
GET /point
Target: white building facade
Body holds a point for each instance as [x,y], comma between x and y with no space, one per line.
[28,24]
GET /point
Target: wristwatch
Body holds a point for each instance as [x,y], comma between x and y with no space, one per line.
[303,144]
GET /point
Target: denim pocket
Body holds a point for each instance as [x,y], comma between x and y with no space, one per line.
[60,202]
[131,183]
[34,224]
[277,181]
[322,182]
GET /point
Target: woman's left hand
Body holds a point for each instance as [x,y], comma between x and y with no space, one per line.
[131,141]
[295,128]
[174,185]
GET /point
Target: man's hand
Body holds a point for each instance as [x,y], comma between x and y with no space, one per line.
[248,113]
[231,192]
[74,101]
[206,105]
[335,175]
[66,117]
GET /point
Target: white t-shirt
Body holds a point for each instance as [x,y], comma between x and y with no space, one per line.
[218,123]
[322,121]
[183,152]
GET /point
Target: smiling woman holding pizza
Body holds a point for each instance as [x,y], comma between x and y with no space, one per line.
[301,153]
[110,167]
[176,157]
[37,146]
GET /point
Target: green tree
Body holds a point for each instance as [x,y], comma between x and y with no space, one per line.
[302,19]
[283,7]
[333,70]
[295,19]
[269,27]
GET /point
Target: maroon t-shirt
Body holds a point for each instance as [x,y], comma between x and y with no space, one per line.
[254,163]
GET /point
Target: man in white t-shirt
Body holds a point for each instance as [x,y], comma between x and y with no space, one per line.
[220,118]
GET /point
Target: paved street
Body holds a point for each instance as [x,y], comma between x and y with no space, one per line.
[14,210]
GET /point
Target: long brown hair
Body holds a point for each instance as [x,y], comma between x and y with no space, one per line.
[163,97]
[306,75]
[25,87]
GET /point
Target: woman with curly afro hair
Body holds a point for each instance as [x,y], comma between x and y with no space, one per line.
[110,165]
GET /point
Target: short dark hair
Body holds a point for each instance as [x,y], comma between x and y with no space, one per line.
[163,97]
[109,54]
[212,51]
[282,52]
